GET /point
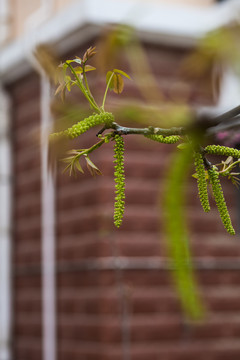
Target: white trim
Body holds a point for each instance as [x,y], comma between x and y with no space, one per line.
[176,21]
[48,231]
[230,91]
[47,195]
[5,229]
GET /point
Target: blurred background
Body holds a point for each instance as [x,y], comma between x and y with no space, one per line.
[71,285]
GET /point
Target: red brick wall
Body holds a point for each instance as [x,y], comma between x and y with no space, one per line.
[25,95]
[108,309]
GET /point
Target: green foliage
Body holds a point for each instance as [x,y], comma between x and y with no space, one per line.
[201,180]
[115,81]
[164,139]
[119,178]
[220,201]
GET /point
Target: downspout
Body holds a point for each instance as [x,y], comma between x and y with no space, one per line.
[48,231]
[6,203]
[47,226]
[47,198]
[5,228]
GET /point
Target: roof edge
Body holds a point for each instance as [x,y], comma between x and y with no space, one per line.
[163,23]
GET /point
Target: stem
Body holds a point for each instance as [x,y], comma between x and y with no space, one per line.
[122,130]
[229,167]
[95,146]
[84,90]
[107,87]
[87,86]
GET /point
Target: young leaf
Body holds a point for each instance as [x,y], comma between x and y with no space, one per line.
[71,61]
[118,83]
[77,61]
[122,73]
[68,81]
[61,89]
[89,53]
[92,167]
[89,68]
[78,166]
[79,69]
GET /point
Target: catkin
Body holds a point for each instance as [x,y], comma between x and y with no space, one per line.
[164,139]
[201,181]
[222,150]
[220,201]
[84,125]
[119,180]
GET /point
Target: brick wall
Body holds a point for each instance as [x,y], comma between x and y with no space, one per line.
[115,299]
[25,95]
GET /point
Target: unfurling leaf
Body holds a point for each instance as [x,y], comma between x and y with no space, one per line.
[89,53]
[94,170]
[89,68]
[78,61]
[118,83]
[78,166]
[79,69]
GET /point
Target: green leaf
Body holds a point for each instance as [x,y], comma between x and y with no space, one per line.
[78,69]
[71,61]
[78,60]
[92,167]
[108,76]
[68,86]
[118,83]
[89,68]
[78,166]
[122,73]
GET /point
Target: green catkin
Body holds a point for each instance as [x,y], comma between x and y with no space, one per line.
[164,139]
[119,180]
[222,150]
[84,125]
[201,181]
[220,201]
[177,233]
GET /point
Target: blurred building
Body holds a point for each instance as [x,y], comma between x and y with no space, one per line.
[72,286]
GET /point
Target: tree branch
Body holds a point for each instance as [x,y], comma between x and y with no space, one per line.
[206,124]
[123,130]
